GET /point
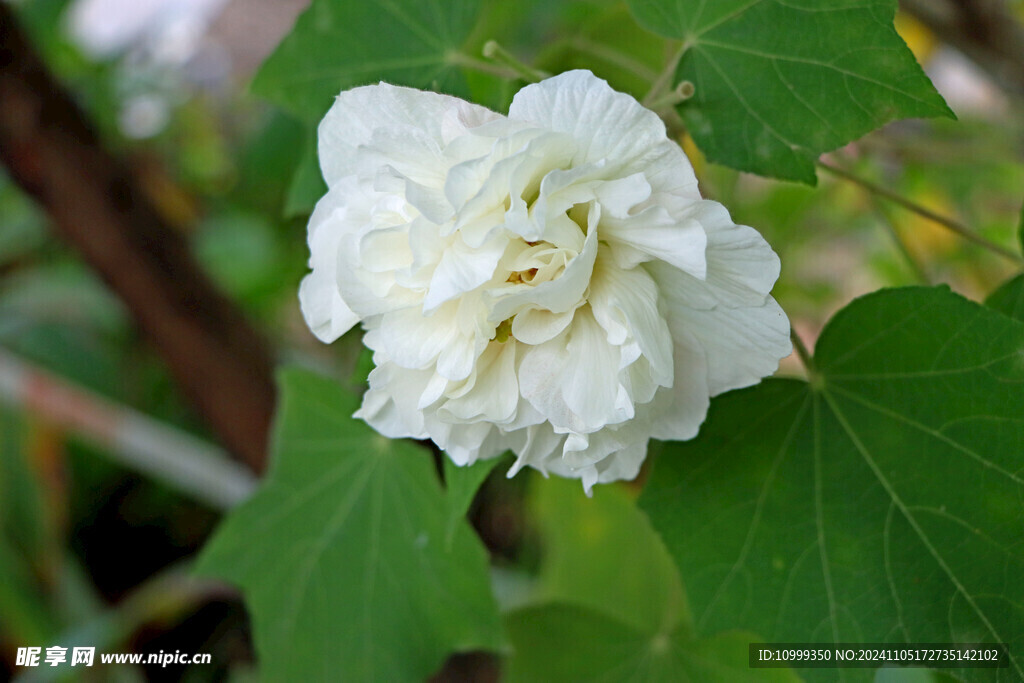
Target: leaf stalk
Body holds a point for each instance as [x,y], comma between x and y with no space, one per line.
[946,222]
[494,51]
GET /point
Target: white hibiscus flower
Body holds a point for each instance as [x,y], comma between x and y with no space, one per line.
[550,282]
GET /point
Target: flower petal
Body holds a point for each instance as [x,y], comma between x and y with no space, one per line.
[741,266]
[495,392]
[536,325]
[389,405]
[742,344]
[463,269]
[606,124]
[559,379]
[625,303]
[359,113]
[678,412]
[559,295]
[678,239]
[326,312]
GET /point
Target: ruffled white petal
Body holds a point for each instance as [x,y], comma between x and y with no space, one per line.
[493,391]
[326,312]
[742,344]
[607,125]
[677,412]
[359,114]
[550,283]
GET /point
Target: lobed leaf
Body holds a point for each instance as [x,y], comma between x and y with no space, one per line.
[779,82]
[342,555]
[1009,298]
[611,606]
[601,553]
[571,643]
[461,486]
[1020,228]
[338,44]
[881,503]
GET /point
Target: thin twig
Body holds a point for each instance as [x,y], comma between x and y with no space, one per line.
[467,62]
[802,352]
[915,266]
[663,82]
[679,94]
[674,125]
[614,57]
[948,223]
[493,50]
[152,448]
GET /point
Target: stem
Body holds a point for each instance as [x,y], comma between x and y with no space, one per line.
[467,62]
[682,92]
[663,82]
[614,57]
[948,223]
[802,352]
[674,125]
[493,50]
[137,441]
[901,246]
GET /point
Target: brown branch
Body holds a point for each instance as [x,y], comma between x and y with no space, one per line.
[96,205]
[984,30]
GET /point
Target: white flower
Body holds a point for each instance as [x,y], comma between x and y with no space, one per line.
[549,283]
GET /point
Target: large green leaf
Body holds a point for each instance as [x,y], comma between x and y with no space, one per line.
[779,82]
[566,643]
[1009,298]
[338,44]
[342,555]
[610,605]
[461,486]
[23,503]
[590,546]
[307,185]
[1020,228]
[24,542]
[880,503]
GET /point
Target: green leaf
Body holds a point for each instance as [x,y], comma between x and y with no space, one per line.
[897,675]
[307,186]
[461,486]
[341,554]
[276,145]
[338,44]
[23,503]
[570,643]
[24,613]
[1009,298]
[881,503]
[610,604]
[1020,228]
[592,547]
[779,82]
